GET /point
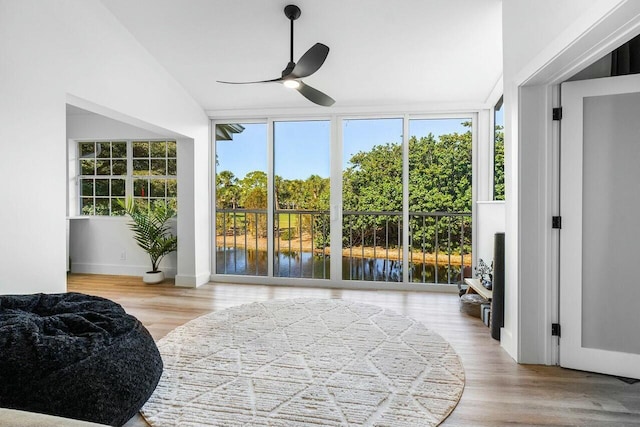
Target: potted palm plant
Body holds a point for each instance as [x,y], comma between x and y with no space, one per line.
[152,233]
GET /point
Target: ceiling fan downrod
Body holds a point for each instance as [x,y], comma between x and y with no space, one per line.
[292,12]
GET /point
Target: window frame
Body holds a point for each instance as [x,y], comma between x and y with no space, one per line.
[76,176]
[497,107]
[336,188]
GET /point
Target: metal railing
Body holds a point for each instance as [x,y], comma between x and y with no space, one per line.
[240,239]
[370,233]
[372,244]
[301,237]
[430,232]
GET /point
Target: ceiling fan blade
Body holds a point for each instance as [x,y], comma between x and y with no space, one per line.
[315,96]
[311,61]
[249,83]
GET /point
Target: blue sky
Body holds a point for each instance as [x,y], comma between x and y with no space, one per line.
[301,149]
[499,117]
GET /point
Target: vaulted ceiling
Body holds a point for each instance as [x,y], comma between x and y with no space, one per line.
[383,53]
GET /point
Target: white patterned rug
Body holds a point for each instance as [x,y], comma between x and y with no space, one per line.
[305,362]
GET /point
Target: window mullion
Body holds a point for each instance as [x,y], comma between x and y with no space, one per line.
[116,182]
[270,199]
[128,192]
[405,199]
[335,195]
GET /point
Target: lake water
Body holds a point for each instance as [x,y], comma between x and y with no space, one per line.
[307,265]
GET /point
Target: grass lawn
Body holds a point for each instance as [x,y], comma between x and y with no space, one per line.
[288,220]
[284,220]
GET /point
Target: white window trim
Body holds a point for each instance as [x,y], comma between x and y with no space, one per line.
[74,191]
[336,144]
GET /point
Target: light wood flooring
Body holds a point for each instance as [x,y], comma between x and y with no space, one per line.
[498,392]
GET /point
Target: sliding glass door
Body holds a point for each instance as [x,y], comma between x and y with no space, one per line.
[440,196]
[301,199]
[372,200]
[384,200]
[241,199]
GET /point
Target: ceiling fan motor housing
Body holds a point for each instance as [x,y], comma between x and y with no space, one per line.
[292,12]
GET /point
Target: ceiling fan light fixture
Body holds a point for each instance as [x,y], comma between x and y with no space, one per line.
[291,83]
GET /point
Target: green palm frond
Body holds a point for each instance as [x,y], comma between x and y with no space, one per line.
[150,229]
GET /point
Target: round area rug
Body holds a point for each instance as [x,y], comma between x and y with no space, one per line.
[305,362]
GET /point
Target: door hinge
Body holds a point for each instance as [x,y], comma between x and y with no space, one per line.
[557,113]
[555,329]
[556,222]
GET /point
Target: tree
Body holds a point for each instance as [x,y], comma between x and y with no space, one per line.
[281,192]
[316,193]
[253,190]
[440,181]
[373,183]
[440,176]
[227,190]
[498,164]
[253,195]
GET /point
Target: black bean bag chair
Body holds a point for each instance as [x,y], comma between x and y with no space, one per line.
[75,356]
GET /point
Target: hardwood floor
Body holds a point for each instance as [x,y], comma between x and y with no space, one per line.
[498,391]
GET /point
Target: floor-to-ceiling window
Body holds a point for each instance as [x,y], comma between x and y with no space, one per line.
[440,198]
[372,199]
[301,192]
[345,199]
[241,199]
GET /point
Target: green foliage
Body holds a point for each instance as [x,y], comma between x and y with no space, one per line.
[227,190]
[288,234]
[249,193]
[373,182]
[321,230]
[498,164]
[440,173]
[253,190]
[150,229]
[440,177]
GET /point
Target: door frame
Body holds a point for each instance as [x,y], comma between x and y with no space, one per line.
[534,265]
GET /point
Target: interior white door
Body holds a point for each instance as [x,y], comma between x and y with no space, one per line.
[600,236]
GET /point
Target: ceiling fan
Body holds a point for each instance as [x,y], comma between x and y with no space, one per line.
[308,64]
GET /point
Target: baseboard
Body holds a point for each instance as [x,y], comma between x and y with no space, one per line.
[118,270]
[189,281]
[507,343]
[333,284]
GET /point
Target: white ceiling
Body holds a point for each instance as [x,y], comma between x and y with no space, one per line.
[383,53]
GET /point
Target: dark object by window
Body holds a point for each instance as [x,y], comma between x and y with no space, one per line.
[626,58]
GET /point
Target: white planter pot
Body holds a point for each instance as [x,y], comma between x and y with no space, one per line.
[151,277]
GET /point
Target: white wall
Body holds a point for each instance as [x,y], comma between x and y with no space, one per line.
[489,215]
[105,245]
[94,126]
[75,51]
[542,41]
[532,27]
[489,221]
